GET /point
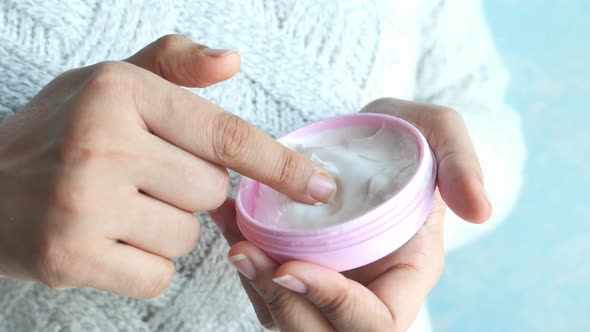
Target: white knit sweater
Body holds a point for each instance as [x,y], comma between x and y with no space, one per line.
[302,61]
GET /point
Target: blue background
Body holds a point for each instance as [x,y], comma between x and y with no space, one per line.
[533,272]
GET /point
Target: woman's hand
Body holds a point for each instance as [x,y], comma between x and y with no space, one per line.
[100,172]
[387,294]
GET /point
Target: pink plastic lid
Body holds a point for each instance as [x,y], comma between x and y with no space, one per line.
[358,241]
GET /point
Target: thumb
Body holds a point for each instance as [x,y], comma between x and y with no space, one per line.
[184,62]
[348,305]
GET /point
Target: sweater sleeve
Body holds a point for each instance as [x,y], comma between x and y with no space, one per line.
[461,68]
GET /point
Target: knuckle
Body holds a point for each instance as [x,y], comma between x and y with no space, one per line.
[84,140]
[386,100]
[380,105]
[169,43]
[109,75]
[446,111]
[163,55]
[70,193]
[69,72]
[436,121]
[157,282]
[446,114]
[287,169]
[279,302]
[422,120]
[231,137]
[76,75]
[334,307]
[440,116]
[70,199]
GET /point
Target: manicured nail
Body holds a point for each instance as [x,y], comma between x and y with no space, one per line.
[321,187]
[292,283]
[244,266]
[487,198]
[217,53]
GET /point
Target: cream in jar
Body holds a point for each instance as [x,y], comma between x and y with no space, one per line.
[370,166]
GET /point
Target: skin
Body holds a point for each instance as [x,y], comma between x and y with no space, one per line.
[385,295]
[101,171]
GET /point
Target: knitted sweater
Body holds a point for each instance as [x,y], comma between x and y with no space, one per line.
[302,61]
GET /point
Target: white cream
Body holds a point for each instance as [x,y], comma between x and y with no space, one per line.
[369,166]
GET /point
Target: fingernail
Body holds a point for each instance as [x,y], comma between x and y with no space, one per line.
[487,198]
[321,187]
[217,53]
[292,283]
[244,266]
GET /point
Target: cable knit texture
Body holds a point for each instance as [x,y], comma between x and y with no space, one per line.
[302,61]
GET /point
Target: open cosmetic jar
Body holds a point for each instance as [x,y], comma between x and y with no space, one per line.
[386,178]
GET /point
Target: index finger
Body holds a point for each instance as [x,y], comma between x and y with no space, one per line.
[208,131]
[460,177]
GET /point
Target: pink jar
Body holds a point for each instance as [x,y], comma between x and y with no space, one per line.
[358,241]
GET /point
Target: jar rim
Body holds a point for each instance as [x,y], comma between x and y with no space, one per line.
[370,217]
